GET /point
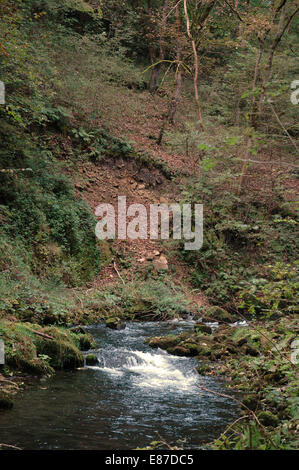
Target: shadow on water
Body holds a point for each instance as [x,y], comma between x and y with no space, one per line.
[131,397]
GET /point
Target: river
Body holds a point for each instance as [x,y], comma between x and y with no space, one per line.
[134,395]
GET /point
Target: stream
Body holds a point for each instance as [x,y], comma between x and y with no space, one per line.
[135,395]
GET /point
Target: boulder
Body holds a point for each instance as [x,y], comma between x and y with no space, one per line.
[115,323]
[218,314]
[91,360]
[202,328]
[161,264]
[268,419]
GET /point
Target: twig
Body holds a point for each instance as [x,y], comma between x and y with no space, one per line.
[164,442]
[234,11]
[117,272]
[43,335]
[10,446]
[231,425]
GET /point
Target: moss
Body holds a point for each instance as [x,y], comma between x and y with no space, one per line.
[39,350]
[63,349]
[179,351]
[164,342]
[91,360]
[204,369]
[115,323]
[191,348]
[268,419]
[86,342]
[20,348]
[251,401]
[106,253]
[219,314]
[34,366]
[202,328]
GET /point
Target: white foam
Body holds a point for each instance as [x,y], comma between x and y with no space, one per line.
[157,371]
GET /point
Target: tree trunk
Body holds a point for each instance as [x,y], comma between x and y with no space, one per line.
[196,66]
[178,75]
[154,80]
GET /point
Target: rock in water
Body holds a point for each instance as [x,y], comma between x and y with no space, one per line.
[115,323]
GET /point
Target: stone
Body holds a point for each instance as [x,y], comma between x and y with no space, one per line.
[219,314]
[91,360]
[268,419]
[161,264]
[251,401]
[202,328]
[115,323]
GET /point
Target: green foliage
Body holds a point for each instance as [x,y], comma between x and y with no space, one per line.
[151,299]
[275,294]
[239,239]
[31,348]
[41,214]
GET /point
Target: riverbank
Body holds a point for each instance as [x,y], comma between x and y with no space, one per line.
[257,360]
[35,351]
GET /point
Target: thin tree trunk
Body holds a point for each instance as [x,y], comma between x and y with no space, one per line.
[196,65]
[178,75]
[153,83]
[244,166]
[255,81]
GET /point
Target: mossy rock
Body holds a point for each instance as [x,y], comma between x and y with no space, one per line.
[63,350]
[251,401]
[20,348]
[268,419]
[91,360]
[202,328]
[205,350]
[274,377]
[192,349]
[78,330]
[248,340]
[163,342]
[249,350]
[34,366]
[139,308]
[204,369]
[218,314]
[231,348]
[86,342]
[179,351]
[115,323]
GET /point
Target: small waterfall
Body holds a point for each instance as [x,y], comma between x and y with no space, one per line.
[147,369]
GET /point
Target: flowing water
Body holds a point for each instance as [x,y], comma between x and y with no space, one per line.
[133,396]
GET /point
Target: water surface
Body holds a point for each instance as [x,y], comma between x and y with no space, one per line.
[133,396]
